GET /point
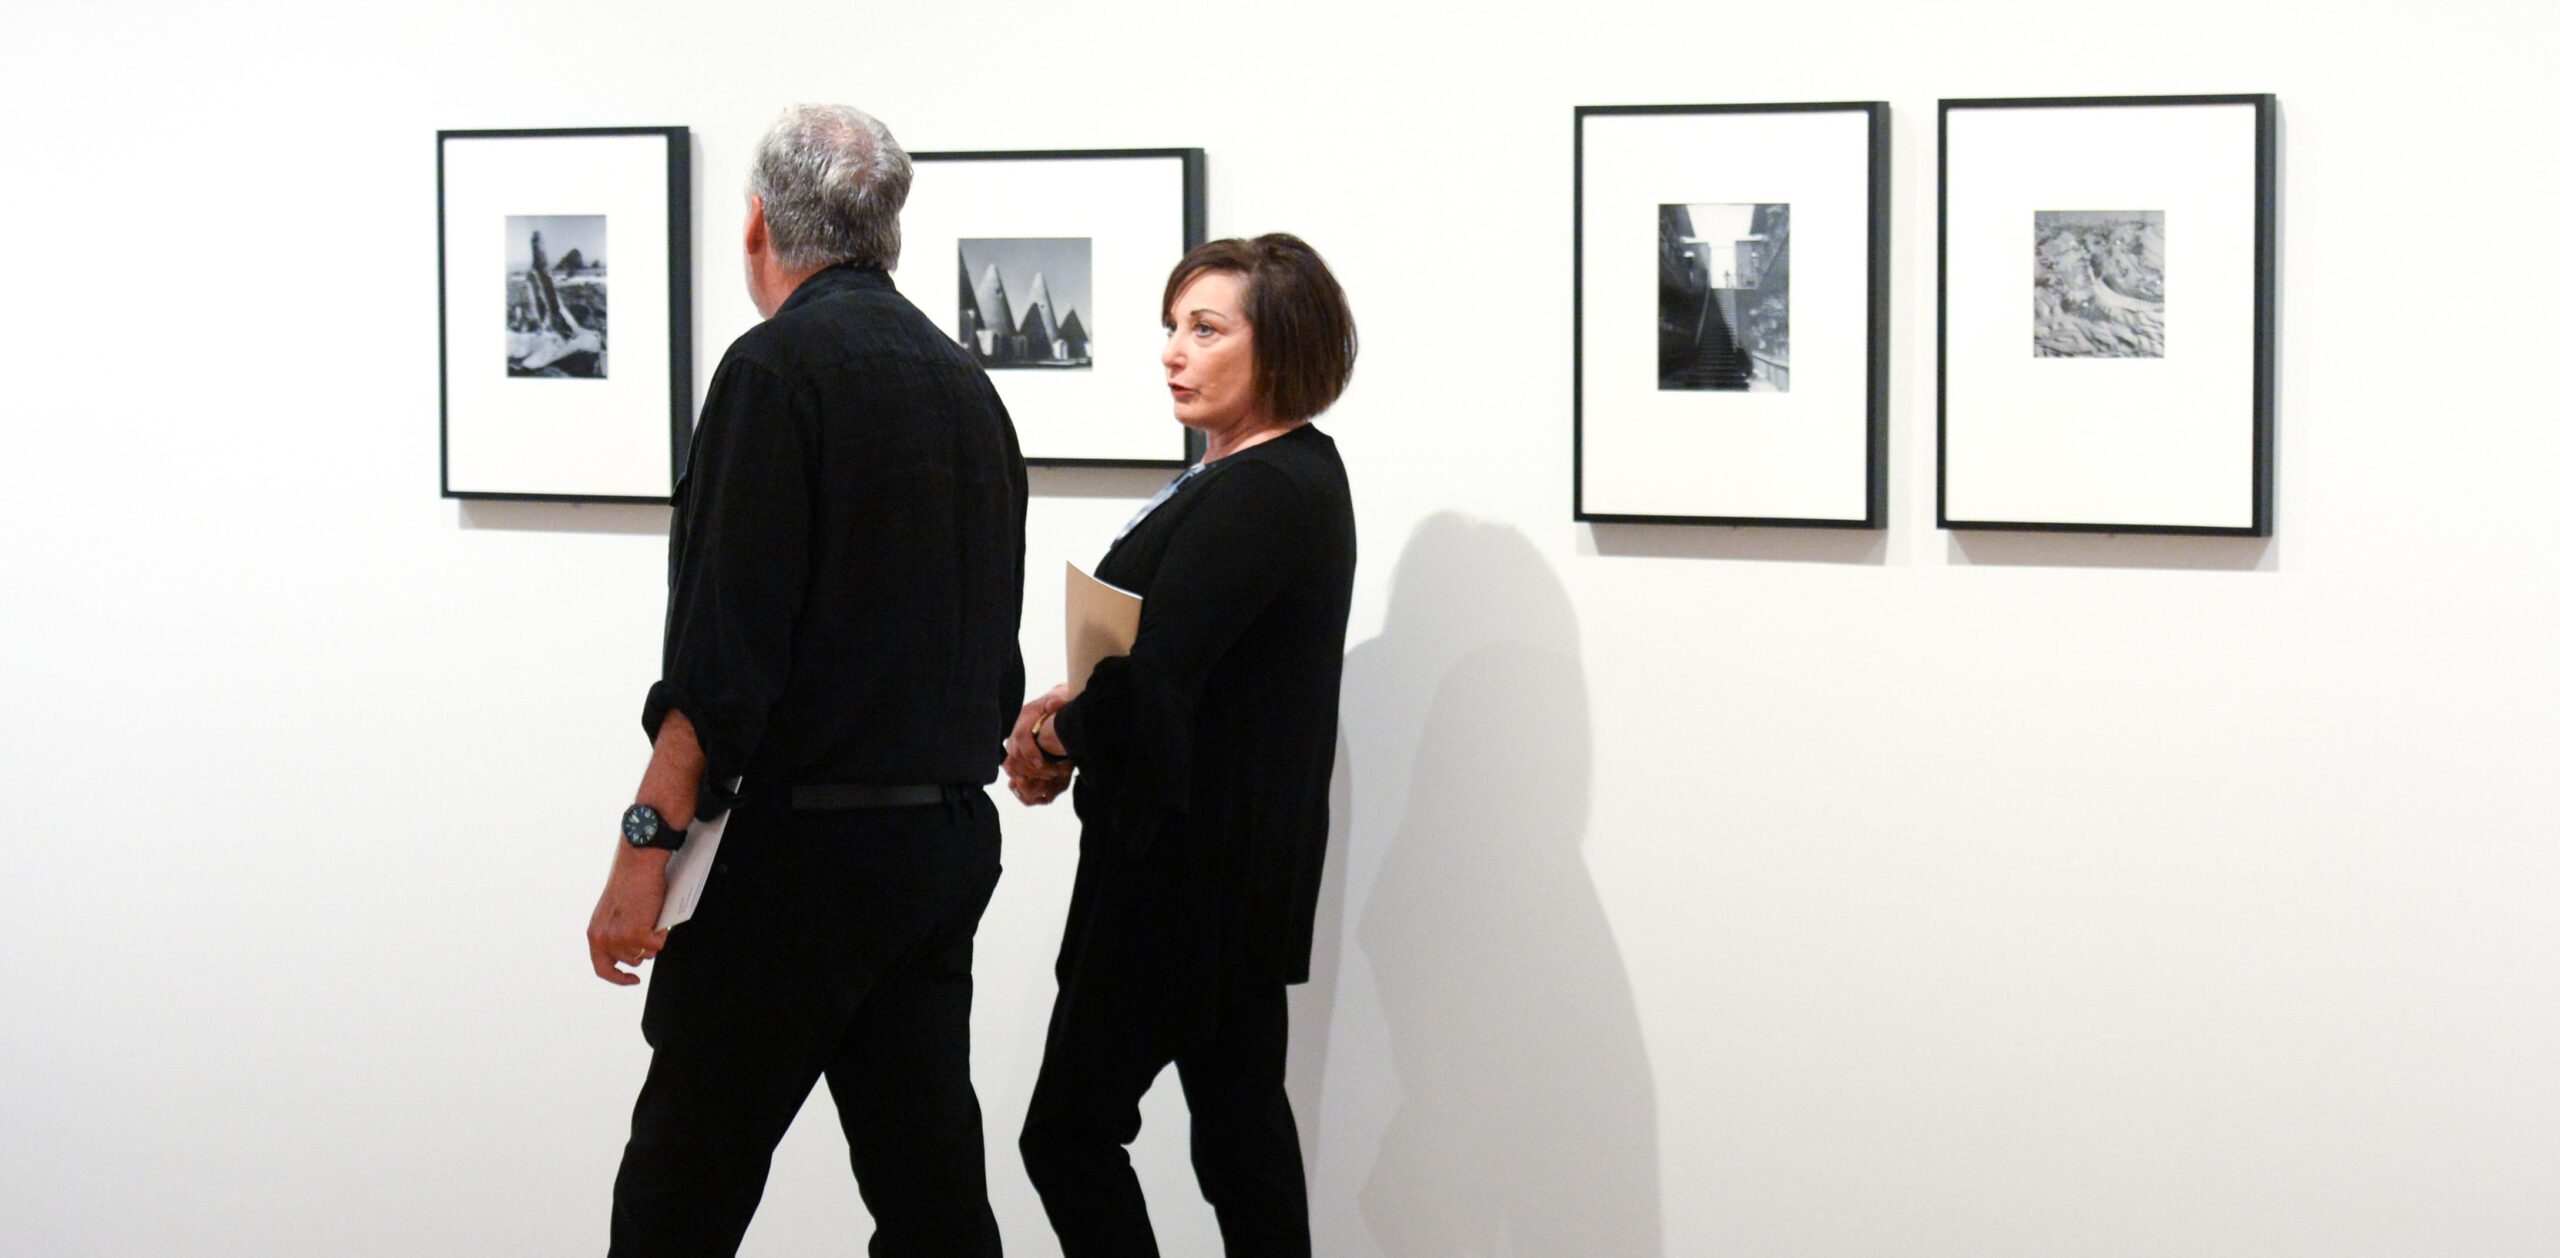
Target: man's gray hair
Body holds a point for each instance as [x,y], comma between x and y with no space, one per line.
[833,180]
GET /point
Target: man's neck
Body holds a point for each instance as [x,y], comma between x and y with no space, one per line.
[779,285]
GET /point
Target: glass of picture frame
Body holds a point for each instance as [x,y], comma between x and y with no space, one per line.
[2086,382]
[1049,268]
[564,312]
[1730,297]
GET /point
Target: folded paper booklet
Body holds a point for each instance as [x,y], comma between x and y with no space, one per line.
[690,867]
[1102,621]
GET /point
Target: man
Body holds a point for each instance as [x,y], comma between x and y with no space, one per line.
[844,593]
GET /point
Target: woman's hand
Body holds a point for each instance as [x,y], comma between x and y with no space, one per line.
[1029,772]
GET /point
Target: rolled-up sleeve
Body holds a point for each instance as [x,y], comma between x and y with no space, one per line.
[1243,547]
[738,565]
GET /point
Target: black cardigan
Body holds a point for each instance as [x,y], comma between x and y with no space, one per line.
[1206,754]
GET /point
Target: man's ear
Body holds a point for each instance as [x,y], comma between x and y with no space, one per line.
[757,239]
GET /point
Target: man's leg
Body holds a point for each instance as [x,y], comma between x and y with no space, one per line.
[901,1077]
[1244,1139]
[737,1046]
[702,1140]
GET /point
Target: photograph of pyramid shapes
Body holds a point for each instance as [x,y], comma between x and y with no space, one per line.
[1026,302]
[1722,313]
[2101,283]
[555,296]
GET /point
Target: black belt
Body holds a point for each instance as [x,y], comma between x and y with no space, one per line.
[863,795]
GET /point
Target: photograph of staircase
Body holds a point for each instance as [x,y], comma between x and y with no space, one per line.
[1723,305]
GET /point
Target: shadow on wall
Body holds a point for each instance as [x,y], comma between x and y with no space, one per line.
[566,517]
[1520,1117]
[1314,1008]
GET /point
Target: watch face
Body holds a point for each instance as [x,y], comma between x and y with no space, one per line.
[640,824]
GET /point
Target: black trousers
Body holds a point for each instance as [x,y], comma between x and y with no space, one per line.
[1116,1026]
[831,944]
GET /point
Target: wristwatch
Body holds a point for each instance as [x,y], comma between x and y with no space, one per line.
[643,827]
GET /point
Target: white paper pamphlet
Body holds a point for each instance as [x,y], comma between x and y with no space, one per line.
[1102,621]
[690,867]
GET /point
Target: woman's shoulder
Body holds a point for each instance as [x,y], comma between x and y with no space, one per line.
[1304,457]
[1289,492]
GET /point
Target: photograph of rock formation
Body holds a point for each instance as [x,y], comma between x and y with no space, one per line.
[2099,276]
[1722,315]
[555,295]
[1027,302]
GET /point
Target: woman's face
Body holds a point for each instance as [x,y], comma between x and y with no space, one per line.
[1208,354]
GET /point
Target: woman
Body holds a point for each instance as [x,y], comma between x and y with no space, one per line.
[1206,754]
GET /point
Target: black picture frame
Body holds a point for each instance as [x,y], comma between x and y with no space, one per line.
[632,181]
[2237,473]
[1843,492]
[1117,202]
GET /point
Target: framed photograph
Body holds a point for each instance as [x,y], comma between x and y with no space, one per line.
[564,312]
[2090,377]
[1048,267]
[1729,313]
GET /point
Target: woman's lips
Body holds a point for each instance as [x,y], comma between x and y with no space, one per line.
[1183,393]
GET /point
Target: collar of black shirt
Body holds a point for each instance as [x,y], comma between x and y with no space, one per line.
[837,279]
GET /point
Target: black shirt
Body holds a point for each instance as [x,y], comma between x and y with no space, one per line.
[1207,752]
[844,575]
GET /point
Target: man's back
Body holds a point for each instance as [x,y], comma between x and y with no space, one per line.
[844,588]
[857,484]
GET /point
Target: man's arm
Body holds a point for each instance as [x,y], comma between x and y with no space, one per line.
[741,571]
[738,575]
[624,929]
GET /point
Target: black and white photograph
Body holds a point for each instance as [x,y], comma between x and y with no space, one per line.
[1723,305]
[2100,283]
[2062,405]
[1695,304]
[1058,261]
[556,295]
[535,229]
[1027,302]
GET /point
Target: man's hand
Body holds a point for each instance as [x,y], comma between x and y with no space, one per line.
[1028,772]
[624,930]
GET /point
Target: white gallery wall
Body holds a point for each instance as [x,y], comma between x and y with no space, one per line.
[1695,891]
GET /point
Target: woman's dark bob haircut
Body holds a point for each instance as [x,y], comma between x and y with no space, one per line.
[1303,339]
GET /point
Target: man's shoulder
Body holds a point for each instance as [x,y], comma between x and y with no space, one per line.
[847,328]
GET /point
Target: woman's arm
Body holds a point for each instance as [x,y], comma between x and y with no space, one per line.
[1246,543]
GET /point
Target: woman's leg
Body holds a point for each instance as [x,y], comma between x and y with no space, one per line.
[1105,1049]
[1244,1139]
